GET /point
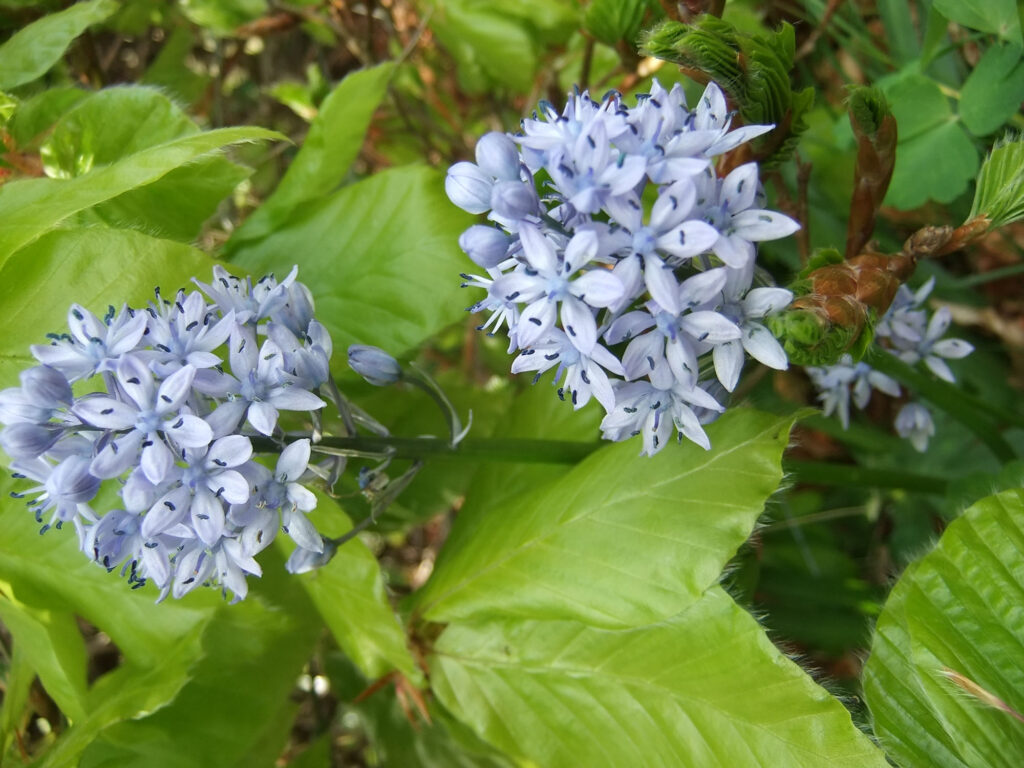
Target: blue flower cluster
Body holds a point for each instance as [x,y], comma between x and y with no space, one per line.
[173,393]
[617,256]
[912,333]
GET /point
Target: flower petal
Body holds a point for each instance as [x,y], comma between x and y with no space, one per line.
[764,347]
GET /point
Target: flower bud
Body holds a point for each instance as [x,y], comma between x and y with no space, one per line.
[496,154]
[47,384]
[374,364]
[485,245]
[514,200]
[469,188]
[28,441]
[305,560]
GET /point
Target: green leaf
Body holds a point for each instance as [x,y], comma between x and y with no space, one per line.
[993,91]
[170,71]
[53,647]
[1000,17]
[18,680]
[953,620]
[31,51]
[704,688]
[620,540]
[489,48]
[35,206]
[380,256]
[613,20]
[38,113]
[86,138]
[130,691]
[235,710]
[443,743]
[349,593]
[927,130]
[223,16]
[999,195]
[174,206]
[330,147]
[93,267]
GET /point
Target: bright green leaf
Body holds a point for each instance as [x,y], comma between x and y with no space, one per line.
[999,195]
[235,710]
[131,691]
[489,47]
[613,20]
[330,147]
[86,138]
[38,113]
[34,206]
[1000,17]
[444,743]
[17,681]
[952,622]
[31,51]
[223,16]
[993,91]
[53,646]
[359,250]
[92,267]
[927,130]
[704,688]
[919,176]
[349,593]
[174,206]
[621,540]
[917,103]
[170,71]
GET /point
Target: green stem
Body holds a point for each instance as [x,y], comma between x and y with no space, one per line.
[572,452]
[982,418]
[987,277]
[479,449]
[853,476]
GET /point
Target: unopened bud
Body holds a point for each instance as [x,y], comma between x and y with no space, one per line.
[485,245]
[496,154]
[514,200]
[374,364]
[469,188]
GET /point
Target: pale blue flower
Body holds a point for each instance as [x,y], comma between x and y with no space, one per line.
[914,423]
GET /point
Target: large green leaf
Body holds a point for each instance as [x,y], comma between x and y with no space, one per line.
[613,20]
[38,113]
[489,48]
[235,709]
[380,256]
[223,16]
[35,206]
[999,17]
[955,615]
[86,138]
[620,540]
[927,130]
[170,69]
[92,267]
[993,91]
[349,593]
[31,51]
[330,147]
[173,206]
[131,691]
[704,688]
[54,648]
